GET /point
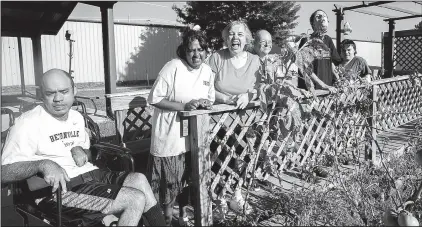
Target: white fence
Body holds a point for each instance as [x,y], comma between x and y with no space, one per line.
[141,52]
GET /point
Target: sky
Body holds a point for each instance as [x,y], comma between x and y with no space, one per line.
[365,27]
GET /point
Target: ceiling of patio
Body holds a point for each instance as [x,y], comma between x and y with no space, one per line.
[28,19]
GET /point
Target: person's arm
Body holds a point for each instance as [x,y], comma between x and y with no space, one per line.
[321,83]
[20,170]
[223,98]
[366,71]
[168,105]
[335,57]
[19,161]
[53,174]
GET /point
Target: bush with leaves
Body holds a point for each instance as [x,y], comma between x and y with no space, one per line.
[277,17]
[359,197]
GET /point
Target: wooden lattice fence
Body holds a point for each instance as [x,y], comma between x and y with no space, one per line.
[407,50]
[220,151]
[398,102]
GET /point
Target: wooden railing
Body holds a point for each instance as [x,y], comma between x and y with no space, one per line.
[220,153]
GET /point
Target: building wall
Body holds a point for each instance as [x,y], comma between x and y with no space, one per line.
[369,50]
[141,52]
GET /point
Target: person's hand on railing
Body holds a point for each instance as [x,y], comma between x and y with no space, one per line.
[192,105]
[230,100]
[242,100]
[205,104]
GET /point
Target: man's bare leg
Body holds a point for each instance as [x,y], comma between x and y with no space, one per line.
[130,204]
[139,181]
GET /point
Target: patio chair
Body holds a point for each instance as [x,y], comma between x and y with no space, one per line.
[105,155]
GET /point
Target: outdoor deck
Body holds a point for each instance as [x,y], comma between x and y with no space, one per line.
[222,131]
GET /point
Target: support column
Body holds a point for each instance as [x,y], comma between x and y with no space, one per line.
[390,54]
[38,68]
[201,168]
[21,66]
[110,76]
[339,19]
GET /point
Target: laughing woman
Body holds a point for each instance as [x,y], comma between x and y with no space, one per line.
[236,69]
[184,83]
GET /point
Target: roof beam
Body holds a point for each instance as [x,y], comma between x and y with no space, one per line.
[399,9]
[366,5]
[420,3]
[402,18]
[364,12]
[100,3]
[37,7]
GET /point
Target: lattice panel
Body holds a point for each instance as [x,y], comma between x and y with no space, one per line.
[399,103]
[135,123]
[319,134]
[229,161]
[408,52]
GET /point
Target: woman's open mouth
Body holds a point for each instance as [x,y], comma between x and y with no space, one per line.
[235,45]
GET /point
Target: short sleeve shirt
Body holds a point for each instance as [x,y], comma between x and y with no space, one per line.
[322,67]
[232,81]
[359,66]
[176,82]
[37,135]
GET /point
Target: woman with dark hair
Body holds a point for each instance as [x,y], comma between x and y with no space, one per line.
[351,63]
[184,83]
[323,73]
[236,69]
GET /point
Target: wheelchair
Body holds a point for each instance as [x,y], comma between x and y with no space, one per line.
[104,156]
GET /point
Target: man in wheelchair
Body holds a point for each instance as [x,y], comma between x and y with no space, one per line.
[50,141]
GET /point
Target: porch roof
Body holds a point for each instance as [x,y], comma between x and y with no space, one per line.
[32,18]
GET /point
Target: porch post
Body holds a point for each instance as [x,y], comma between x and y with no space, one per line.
[21,66]
[390,54]
[107,22]
[373,124]
[38,67]
[339,19]
[201,168]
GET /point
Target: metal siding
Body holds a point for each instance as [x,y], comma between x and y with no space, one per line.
[139,50]
[370,51]
[28,61]
[10,61]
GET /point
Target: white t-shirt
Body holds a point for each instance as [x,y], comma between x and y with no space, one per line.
[37,135]
[176,82]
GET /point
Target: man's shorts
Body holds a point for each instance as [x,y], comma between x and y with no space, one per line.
[90,200]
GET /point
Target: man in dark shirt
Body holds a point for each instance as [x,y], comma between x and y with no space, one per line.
[323,73]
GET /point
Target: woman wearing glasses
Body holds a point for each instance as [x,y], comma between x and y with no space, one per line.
[184,83]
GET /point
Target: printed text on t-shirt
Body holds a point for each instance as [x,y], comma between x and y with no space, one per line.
[64,135]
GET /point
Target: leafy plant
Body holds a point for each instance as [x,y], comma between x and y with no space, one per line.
[276,17]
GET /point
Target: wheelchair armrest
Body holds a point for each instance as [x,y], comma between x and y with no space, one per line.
[36,183]
[114,151]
